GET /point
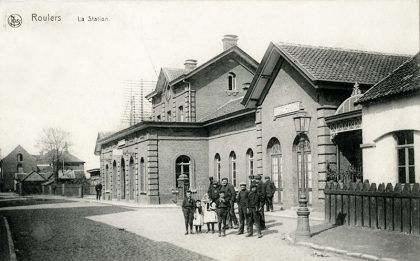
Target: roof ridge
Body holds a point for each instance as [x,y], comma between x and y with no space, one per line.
[280,43]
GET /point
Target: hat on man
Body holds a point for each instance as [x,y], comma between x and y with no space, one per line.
[267,177]
[215,183]
[258,177]
[242,184]
[225,179]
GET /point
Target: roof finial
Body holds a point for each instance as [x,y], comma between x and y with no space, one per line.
[356,89]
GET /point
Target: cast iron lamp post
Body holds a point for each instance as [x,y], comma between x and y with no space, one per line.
[302,230]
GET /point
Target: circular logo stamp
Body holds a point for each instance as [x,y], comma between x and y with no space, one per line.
[14,20]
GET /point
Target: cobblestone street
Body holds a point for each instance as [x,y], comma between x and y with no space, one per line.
[61,232]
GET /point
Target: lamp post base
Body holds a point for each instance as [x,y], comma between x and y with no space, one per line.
[303,230]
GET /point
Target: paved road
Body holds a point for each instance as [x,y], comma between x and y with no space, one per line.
[63,233]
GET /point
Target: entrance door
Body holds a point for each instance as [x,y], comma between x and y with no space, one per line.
[131,178]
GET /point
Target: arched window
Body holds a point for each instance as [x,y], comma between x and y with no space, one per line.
[232,161]
[131,178]
[114,179]
[231,81]
[181,113]
[276,167]
[106,177]
[303,152]
[405,150]
[19,168]
[183,166]
[122,178]
[250,162]
[142,176]
[217,167]
[19,157]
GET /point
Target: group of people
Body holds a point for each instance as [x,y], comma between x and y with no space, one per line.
[218,206]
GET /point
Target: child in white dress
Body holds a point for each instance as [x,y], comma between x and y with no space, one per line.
[210,216]
[198,216]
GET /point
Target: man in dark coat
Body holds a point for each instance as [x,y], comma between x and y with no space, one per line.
[262,193]
[230,196]
[98,189]
[270,189]
[213,191]
[188,206]
[255,203]
[242,200]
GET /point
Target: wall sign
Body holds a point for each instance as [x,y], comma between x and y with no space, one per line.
[286,109]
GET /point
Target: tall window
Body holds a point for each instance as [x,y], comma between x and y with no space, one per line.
[19,157]
[180,113]
[19,168]
[114,179]
[250,162]
[307,162]
[231,82]
[142,176]
[405,148]
[217,166]
[232,160]
[183,166]
[276,166]
[106,177]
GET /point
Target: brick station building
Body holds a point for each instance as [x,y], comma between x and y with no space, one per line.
[232,117]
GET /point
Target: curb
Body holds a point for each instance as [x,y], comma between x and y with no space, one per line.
[12,253]
[337,251]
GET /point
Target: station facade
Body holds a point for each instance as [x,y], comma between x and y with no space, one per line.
[232,117]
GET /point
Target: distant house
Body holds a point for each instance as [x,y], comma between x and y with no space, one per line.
[95,176]
[20,165]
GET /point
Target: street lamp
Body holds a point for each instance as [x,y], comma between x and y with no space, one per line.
[303,230]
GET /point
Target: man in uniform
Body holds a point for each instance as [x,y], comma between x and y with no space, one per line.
[255,203]
[270,189]
[242,200]
[98,189]
[262,193]
[188,206]
[230,196]
[222,207]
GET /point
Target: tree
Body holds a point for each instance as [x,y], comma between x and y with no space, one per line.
[53,142]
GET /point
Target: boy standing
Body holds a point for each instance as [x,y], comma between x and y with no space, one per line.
[270,189]
[222,206]
[254,205]
[188,206]
[242,200]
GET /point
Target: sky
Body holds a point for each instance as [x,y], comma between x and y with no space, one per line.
[70,74]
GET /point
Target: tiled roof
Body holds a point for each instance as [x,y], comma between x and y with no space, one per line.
[227,108]
[405,78]
[341,65]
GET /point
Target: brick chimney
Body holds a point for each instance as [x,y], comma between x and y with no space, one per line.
[229,40]
[190,64]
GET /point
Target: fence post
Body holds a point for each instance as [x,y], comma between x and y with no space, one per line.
[359,205]
[327,202]
[366,205]
[333,202]
[389,224]
[405,209]
[380,202]
[415,210]
[346,199]
[352,205]
[397,208]
[373,207]
[339,210]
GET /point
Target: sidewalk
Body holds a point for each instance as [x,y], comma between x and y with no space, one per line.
[365,243]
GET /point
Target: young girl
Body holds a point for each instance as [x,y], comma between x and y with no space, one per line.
[210,217]
[198,216]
